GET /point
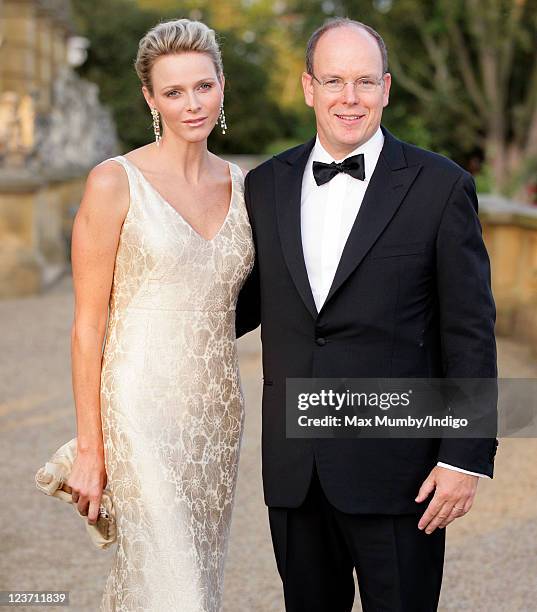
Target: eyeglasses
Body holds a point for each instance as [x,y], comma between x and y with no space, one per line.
[363,84]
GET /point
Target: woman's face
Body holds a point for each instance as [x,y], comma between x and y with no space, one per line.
[188,94]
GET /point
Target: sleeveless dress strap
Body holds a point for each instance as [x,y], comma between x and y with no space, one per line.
[237,177]
[238,170]
[131,176]
[125,163]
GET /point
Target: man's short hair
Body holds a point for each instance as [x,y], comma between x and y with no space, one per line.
[340,22]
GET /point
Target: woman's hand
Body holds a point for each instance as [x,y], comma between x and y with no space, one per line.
[87,481]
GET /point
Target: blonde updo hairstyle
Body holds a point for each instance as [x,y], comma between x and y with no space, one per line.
[176,36]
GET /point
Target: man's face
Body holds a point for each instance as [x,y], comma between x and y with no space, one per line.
[347,119]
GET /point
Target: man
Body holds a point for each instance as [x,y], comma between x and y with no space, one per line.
[373,267]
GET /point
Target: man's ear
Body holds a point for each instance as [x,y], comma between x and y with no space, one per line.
[307,86]
[387,85]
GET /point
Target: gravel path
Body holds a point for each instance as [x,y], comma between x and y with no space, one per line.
[491,563]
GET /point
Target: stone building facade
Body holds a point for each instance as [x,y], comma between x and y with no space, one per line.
[52,130]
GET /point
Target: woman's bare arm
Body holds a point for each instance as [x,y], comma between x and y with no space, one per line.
[95,241]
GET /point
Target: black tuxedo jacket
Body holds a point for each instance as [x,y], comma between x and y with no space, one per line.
[411,298]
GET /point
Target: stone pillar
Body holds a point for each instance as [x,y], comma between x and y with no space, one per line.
[44,60]
[18,64]
[17,129]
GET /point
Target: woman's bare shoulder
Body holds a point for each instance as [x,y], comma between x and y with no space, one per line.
[109,174]
[107,188]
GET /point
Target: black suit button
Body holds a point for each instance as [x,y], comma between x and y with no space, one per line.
[321,341]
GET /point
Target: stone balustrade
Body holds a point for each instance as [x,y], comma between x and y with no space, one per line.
[510,233]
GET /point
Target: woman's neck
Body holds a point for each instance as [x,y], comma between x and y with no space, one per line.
[190,160]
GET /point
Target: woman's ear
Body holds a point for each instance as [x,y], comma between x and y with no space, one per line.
[148,97]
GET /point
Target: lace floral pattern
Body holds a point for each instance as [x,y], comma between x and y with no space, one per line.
[171,402]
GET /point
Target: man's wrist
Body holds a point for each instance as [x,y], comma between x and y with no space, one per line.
[458,469]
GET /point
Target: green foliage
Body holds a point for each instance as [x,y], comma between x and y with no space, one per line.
[254,120]
[114,28]
[277,146]
[484,180]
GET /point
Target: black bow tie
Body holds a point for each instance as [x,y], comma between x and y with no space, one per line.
[354,166]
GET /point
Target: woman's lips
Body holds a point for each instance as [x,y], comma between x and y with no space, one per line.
[195,122]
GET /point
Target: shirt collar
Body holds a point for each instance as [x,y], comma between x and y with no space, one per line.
[371,150]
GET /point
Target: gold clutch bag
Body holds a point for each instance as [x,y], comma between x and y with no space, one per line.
[52,478]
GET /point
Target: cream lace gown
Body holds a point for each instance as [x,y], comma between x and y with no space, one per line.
[171,401]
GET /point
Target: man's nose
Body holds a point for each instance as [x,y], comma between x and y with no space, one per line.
[349,93]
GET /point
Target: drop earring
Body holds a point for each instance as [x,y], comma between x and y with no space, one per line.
[222,119]
[156,125]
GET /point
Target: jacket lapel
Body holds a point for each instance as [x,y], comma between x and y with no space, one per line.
[288,173]
[389,184]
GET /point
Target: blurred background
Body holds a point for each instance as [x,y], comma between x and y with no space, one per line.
[464,84]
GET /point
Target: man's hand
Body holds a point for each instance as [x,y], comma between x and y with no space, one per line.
[453,497]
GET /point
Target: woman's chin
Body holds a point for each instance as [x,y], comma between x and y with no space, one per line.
[199,136]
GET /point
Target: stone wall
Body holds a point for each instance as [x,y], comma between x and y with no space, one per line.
[510,233]
[35,231]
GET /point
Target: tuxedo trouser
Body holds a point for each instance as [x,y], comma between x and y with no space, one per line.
[317,548]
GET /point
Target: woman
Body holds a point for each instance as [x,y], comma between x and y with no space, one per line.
[161,248]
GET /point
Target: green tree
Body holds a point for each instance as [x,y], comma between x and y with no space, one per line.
[471,67]
[254,119]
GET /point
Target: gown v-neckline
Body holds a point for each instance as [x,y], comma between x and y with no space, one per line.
[181,217]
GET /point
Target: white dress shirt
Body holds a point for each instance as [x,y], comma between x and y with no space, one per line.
[327,214]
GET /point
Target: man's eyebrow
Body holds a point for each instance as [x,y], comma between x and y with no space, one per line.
[337,76]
